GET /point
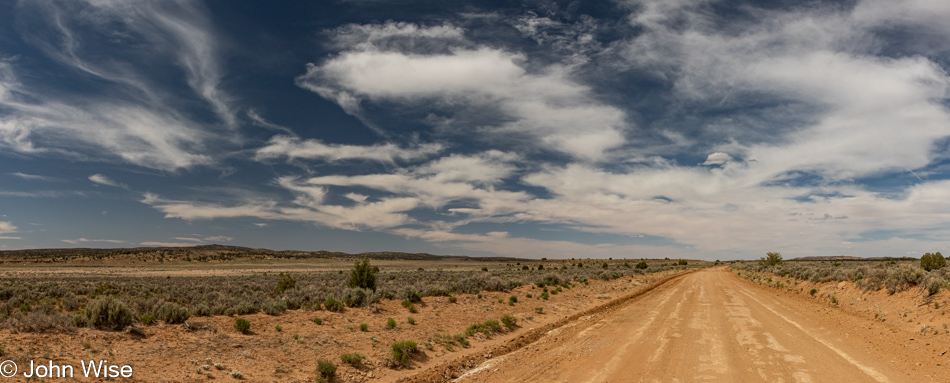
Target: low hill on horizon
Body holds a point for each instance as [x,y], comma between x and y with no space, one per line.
[212,253]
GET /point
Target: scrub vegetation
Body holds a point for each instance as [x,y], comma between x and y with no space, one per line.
[41,302]
[894,275]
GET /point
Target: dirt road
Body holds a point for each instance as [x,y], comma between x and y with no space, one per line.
[710,326]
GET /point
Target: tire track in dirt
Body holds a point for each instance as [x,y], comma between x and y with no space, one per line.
[447,371]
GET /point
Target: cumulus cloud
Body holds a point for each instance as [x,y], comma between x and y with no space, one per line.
[548,106]
[794,109]
[717,158]
[7,227]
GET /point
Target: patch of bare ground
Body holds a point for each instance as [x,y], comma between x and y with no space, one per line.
[286,347]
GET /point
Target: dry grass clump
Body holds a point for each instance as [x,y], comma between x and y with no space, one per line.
[402,352]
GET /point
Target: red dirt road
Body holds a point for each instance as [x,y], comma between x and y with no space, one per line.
[713,326]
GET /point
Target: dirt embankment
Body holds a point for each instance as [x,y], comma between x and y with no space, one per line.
[912,310]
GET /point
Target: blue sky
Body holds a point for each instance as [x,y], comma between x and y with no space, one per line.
[641,128]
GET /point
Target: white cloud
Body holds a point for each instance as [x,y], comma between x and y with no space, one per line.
[167,244]
[843,113]
[84,240]
[548,106]
[103,180]
[387,212]
[219,238]
[189,239]
[33,177]
[9,237]
[295,148]
[137,121]
[7,227]
[717,158]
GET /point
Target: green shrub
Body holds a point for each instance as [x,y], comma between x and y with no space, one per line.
[410,306]
[933,261]
[933,287]
[275,307]
[484,269]
[509,320]
[411,320]
[242,325]
[513,299]
[147,319]
[80,320]
[285,283]
[812,292]
[326,369]
[171,313]
[355,296]
[108,313]
[410,294]
[682,262]
[354,359]
[363,275]
[539,310]
[278,328]
[390,323]
[453,299]
[318,321]
[333,305]
[642,265]
[402,351]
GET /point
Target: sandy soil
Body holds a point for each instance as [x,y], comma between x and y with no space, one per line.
[714,326]
[172,353]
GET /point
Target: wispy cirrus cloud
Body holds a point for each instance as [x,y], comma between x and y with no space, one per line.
[131,115]
[78,241]
[294,148]
[103,180]
[167,244]
[33,177]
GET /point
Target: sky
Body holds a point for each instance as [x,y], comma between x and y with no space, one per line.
[703,129]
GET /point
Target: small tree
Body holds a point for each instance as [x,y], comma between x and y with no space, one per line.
[363,275]
[771,259]
[933,261]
